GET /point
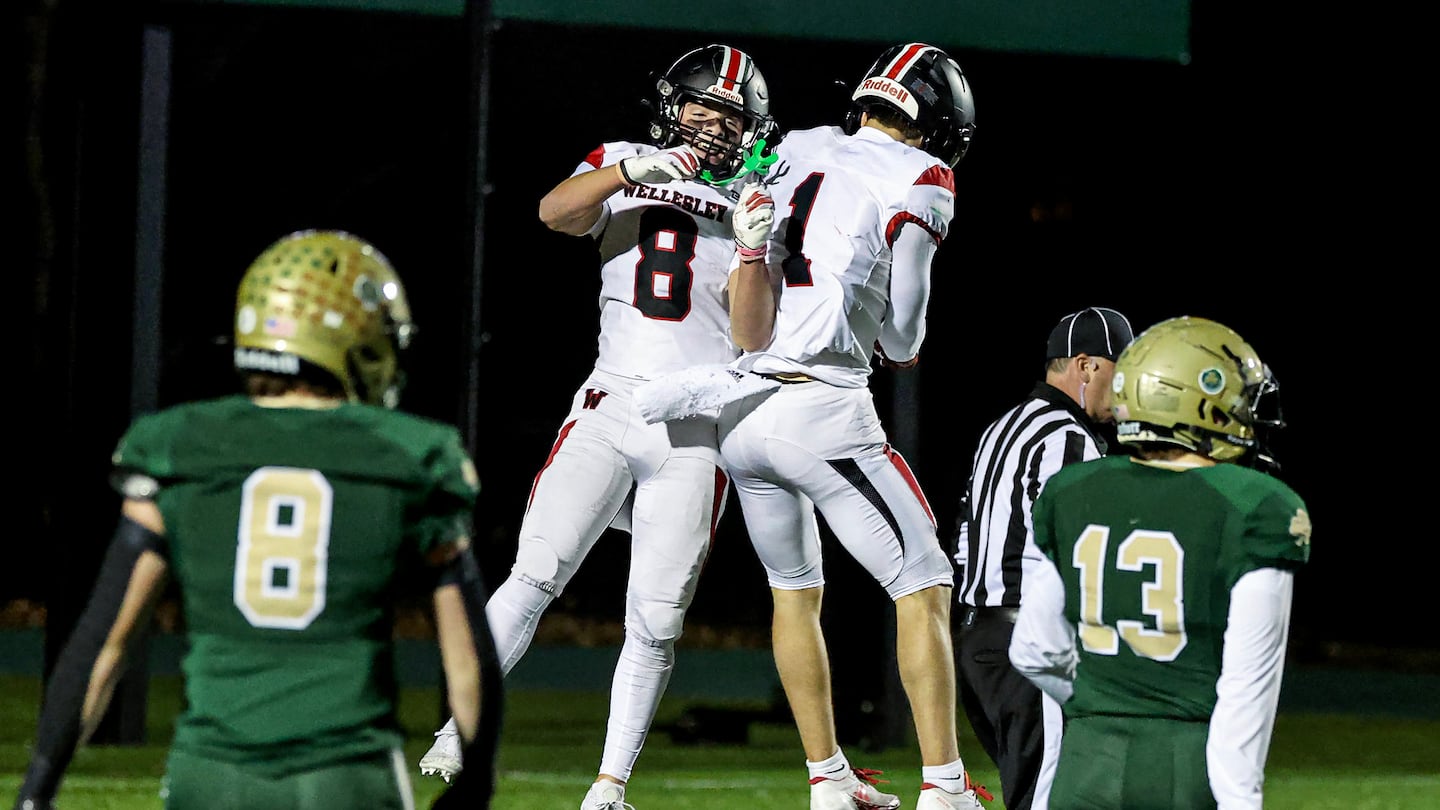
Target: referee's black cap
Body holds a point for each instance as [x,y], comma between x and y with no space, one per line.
[1096,331]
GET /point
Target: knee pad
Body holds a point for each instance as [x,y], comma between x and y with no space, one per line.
[537,564]
[655,654]
[656,623]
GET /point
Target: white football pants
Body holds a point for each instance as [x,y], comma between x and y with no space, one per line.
[812,445]
[603,450]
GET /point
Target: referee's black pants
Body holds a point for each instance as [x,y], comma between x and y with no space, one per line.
[1004,708]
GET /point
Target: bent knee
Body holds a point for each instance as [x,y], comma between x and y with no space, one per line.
[659,624]
[537,564]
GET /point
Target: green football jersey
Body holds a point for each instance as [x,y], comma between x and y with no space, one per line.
[1148,556]
[292,532]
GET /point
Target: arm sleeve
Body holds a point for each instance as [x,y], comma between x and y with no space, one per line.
[904,328]
[1248,691]
[913,234]
[474,787]
[58,734]
[1042,647]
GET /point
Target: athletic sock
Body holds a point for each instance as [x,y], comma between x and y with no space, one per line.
[836,767]
[949,778]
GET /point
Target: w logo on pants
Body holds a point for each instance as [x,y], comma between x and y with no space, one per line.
[592,398]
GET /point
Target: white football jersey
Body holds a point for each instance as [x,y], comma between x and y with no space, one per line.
[840,201]
[665,254]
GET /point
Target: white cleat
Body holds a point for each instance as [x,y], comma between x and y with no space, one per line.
[935,798]
[606,796]
[855,791]
[443,759]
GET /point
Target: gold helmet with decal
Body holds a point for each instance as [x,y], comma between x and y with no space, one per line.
[331,300]
[1196,383]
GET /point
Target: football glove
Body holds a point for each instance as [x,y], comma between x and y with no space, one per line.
[678,163]
[754,214]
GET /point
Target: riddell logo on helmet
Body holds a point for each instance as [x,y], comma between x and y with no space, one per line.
[259,360]
[886,87]
[727,94]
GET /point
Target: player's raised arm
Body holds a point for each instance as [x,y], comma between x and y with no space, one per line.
[752,292]
[577,202]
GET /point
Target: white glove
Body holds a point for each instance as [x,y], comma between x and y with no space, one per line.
[754,214]
[678,163]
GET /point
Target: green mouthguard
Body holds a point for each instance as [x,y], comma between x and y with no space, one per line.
[755,162]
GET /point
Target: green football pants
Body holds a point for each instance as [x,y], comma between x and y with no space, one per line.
[378,782]
[1109,763]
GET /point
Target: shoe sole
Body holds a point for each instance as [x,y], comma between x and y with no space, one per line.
[861,804]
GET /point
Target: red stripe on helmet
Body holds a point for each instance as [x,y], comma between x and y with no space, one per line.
[731,68]
[906,58]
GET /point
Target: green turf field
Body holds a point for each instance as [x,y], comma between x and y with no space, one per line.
[552,746]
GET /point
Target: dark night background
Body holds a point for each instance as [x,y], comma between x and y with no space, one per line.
[1155,187]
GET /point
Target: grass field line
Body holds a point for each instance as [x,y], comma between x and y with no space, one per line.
[696,783]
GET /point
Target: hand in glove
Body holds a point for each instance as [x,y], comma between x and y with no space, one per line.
[678,163]
[754,214]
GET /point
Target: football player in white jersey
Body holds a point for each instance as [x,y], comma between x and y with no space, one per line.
[861,210]
[660,215]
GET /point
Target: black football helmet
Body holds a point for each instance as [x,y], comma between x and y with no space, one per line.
[928,87]
[716,76]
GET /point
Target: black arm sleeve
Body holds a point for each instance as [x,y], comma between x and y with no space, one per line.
[475,785]
[59,727]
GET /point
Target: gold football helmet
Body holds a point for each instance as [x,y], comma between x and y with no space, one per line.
[1195,383]
[329,299]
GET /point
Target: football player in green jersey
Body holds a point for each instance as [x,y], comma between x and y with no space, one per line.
[1162,623]
[292,517]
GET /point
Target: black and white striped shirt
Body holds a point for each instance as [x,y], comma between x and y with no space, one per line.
[1016,454]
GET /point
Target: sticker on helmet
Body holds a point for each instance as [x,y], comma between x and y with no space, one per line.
[246,319]
[1117,382]
[1212,381]
[727,94]
[280,326]
[368,293]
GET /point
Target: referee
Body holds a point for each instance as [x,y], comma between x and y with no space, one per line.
[1057,424]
